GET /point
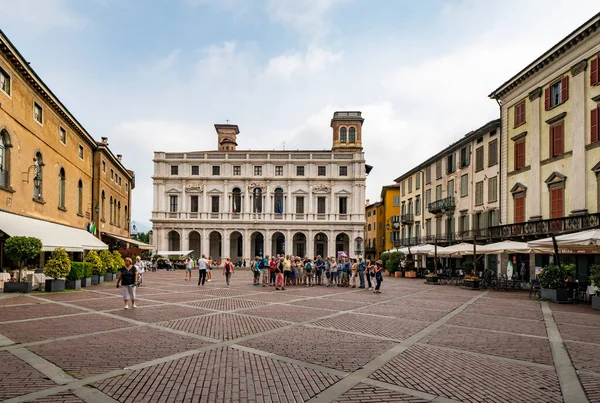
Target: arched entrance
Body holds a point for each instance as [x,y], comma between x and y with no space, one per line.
[194,243]
[174,240]
[299,244]
[320,245]
[257,244]
[236,246]
[342,244]
[278,244]
[214,248]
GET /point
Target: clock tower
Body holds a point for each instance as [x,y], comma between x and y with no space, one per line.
[227,136]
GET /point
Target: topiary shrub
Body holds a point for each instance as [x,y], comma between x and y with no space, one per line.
[59,264]
[94,259]
[77,271]
[22,248]
[553,277]
[107,260]
[88,269]
[393,261]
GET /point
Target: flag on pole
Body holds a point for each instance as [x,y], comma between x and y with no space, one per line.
[279,209]
[234,206]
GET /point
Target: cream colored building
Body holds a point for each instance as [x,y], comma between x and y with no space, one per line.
[550,149]
[453,196]
[244,203]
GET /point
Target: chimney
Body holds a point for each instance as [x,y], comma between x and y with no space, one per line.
[120,156]
[104,140]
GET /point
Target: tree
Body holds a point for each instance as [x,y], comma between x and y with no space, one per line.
[143,237]
[97,268]
[392,260]
[59,264]
[22,248]
[117,260]
[107,259]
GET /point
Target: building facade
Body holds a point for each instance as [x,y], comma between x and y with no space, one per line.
[390,199]
[454,195]
[374,230]
[241,204]
[550,139]
[46,156]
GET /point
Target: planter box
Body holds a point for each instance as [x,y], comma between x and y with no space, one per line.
[410,274]
[432,279]
[54,285]
[96,279]
[398,274]
[73,284]
[595,302]
[17,287]
[109,276]
[86,282]
[472,284]
[555,295]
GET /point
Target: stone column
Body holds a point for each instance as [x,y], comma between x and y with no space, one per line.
[577,179]
[534,194]
[205,243]
[288,242]
[204,211]
[330,243]
[310,244]
[226,252]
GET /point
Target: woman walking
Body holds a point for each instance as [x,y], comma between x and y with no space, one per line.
[228,271]
[353,269]
[128,277]
[209,274]
[378,276]
[369,274]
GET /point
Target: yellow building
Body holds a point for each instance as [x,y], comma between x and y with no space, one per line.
[374,230]
[46,163]
[390,197]
[550,149]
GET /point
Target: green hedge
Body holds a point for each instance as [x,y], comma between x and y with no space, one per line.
[88,269]
[79,271]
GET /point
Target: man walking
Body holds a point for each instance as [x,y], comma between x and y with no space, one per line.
[189,265]
[361,272]
[202,269]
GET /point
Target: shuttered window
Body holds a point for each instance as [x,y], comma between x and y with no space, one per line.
[519,209]
[556,93]
[479,159]
[556,139]
[595,126]
[520,155]
[556,203]
[520,114]
[594,75]
[479,193]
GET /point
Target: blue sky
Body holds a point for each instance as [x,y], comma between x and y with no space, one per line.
[157,74]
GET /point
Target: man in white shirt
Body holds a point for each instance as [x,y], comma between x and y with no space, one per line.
[189,266]
[140,267]
[202,269]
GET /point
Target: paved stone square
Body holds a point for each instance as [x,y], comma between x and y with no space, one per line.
[412,343]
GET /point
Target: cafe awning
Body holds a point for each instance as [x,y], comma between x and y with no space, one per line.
[52,235]
[588,240]
[454,250]
[139,244]
[174,252]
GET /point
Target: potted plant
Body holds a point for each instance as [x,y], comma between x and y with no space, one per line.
[75,275]
[98,270]
[431,278]
[595,280]
[410,269]
[107,262]
[86,280]
[552,280]
[471,282]
[57,267]
[118,262]
[20,249]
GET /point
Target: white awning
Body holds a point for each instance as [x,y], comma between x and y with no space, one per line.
[174,252]
[454,250]
[588,240]
[52,235]
[140,244]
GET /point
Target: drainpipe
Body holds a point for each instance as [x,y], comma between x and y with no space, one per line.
[500,161]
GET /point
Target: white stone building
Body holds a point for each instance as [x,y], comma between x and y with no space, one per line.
[240,204]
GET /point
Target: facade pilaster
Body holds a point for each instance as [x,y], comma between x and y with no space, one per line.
[579,133]
[534,195]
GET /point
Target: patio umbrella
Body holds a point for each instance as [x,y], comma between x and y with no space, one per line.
[588,240]
[422,249]
[510,247]
[455,250]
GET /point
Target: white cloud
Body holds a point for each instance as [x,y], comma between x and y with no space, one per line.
[39,15]
[314,60]
[163,65]
[306,16]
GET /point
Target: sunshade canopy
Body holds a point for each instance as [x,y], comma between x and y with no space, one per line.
[455,250]
[507,247]
[140,244]
[583,240]
[174,252]
[52,235]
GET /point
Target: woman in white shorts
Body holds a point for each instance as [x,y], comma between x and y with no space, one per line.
[128,277]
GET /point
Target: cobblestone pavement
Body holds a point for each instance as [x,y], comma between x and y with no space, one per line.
[412,343]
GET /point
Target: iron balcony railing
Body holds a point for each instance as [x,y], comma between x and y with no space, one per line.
[407,219]
[441,205]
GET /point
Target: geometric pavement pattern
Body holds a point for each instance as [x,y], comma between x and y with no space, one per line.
[412,343]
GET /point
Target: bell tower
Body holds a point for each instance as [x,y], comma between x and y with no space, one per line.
[347,131]
[227,136]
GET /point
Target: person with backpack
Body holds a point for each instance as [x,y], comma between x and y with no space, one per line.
[228,271]
[319,266]
[361,272]
[254,266]
[263,265]
[308,269]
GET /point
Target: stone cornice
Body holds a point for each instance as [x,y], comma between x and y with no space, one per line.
[519,136]
[578,67]
[596,98]
[556,118]
[537,93]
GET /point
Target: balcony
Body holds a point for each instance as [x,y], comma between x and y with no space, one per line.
[407,219]
[442,205]
[543,228]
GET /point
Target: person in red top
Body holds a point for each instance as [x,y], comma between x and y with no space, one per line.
[228,271]
[272,275]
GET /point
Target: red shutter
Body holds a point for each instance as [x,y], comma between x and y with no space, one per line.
[565,89]
[556,140]
[522,154]
[595,133]
[519,209]
[594,71]
[556,203]
[517,115]
[547,98]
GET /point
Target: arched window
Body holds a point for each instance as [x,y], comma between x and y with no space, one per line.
[278,205]
[38,176]
[257,192]
[236,200]
[4,159]
[118,220]
[80,197]
[126,219]
[343,135]
[102,207]
[62,188]
[352,135]
[114,218]
[111,210]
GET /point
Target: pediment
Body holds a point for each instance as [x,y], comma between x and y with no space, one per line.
[555,177]
[299,192]
[215,190]
[596,168]
[519,187]
[343,192]
[173,190]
